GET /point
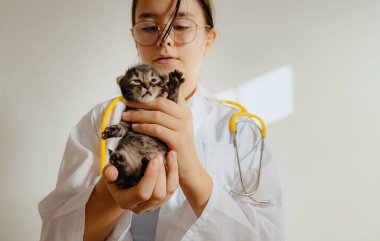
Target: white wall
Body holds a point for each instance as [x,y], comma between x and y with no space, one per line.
[59,58]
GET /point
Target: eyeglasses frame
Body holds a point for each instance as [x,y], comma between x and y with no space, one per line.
[161,32]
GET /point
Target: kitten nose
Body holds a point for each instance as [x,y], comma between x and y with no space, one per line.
[145,85]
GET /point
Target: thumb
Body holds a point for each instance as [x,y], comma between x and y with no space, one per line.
[110,173]
[181,101]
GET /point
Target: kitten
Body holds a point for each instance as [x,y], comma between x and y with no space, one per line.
[141,83]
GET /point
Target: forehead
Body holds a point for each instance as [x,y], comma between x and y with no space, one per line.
[144,72]
[160,10]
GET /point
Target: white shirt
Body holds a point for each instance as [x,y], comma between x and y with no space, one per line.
[227,216]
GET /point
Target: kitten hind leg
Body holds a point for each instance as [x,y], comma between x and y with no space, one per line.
[117,159]
[144,164]
[124,178]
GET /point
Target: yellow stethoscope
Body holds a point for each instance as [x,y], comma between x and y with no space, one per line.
[233,128]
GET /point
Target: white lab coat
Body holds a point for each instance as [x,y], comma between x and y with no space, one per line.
[227,216]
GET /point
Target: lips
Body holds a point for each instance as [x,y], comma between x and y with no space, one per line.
[165,59]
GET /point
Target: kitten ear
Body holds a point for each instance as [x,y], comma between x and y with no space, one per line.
[118,79]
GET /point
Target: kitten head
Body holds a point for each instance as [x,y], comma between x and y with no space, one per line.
[142,83]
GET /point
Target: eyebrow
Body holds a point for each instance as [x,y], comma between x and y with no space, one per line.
[155,15]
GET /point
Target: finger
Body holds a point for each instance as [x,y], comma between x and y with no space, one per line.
[159,192]
[172,178]
[181,101]
[110,173]
[146,185]
[164,134]
[152,117]
[131,197]
[158,195]
[165,105]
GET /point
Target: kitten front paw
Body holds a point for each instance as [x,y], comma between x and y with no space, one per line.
[111,131]
[175,80]
[176,76]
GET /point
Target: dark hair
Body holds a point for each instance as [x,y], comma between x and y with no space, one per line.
[206,6]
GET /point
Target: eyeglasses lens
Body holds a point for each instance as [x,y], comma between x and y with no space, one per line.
[146,33]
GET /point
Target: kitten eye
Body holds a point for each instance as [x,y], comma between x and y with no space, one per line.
[154,81]
[135,82]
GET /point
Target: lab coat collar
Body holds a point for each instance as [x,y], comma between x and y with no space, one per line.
[200,106]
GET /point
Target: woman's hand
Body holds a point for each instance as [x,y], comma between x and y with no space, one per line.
[153,190]
[107,202]
[170,122]
[173,124]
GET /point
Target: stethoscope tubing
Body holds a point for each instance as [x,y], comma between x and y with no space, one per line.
[233,128]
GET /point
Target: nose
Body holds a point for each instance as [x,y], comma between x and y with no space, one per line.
[145,84]
[166,39]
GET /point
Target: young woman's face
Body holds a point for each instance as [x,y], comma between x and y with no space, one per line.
[169,56]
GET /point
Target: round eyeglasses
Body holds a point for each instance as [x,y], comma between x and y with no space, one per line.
[146,33]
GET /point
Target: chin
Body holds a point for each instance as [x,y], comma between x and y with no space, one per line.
[146,99]
[165,68]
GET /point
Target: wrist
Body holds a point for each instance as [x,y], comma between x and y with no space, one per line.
[101,192]
[101,213]
[197,188]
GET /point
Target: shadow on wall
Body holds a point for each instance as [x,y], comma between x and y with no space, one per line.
[270,96]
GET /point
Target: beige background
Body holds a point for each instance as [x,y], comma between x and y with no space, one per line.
[60,58]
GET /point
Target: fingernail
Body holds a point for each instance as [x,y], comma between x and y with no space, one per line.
[174,155]
[160,159]
[126,115]
[156,162]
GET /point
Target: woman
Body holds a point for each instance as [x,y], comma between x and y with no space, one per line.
[201,161]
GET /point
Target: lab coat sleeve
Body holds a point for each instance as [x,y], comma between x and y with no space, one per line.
[228,216]
[63,210]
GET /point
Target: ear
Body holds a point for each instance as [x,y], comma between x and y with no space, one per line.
[210,40]
[119,78]
[137,49]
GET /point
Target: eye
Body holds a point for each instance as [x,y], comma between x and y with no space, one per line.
[135,82]
[146,27]
[180,28]
[149,28]
[182,25]
[154,81]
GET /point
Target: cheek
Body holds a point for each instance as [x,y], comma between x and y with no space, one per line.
[195,50]
[144,53]
[136,90]
[193,56]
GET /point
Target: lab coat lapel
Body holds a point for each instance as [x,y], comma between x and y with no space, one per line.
[170,223]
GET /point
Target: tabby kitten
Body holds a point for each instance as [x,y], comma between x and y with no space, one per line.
[141,83]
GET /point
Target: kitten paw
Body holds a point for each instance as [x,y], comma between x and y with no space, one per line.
[117,159]
[176,76]
[111,131]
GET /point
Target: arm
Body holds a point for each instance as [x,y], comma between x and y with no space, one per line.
[215,212]
[107,202]
[229,216]
[63,210]
[172,123]
[102,213]
[80,207]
